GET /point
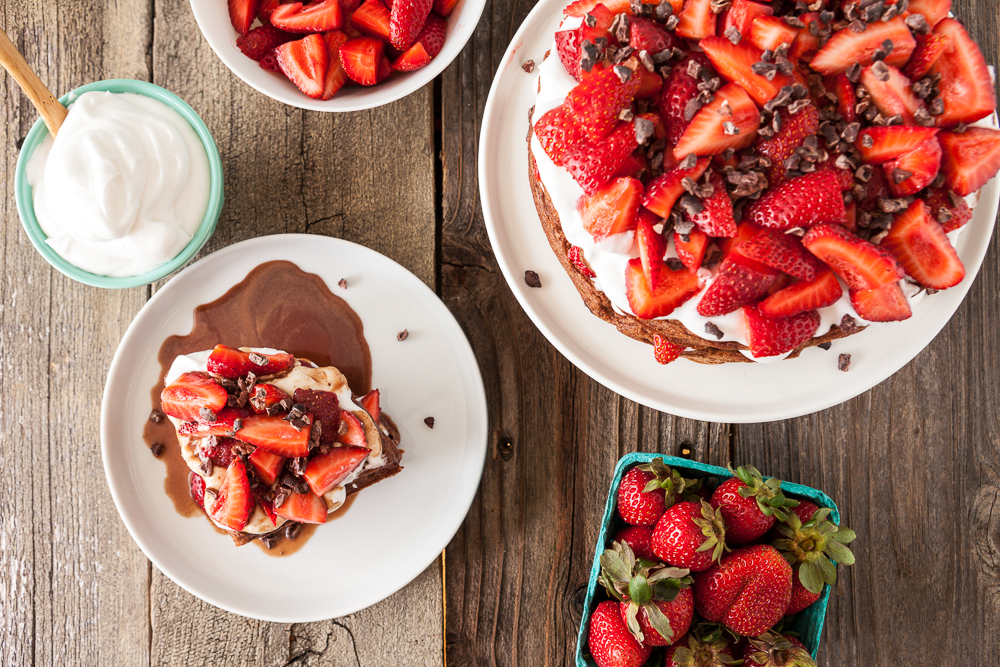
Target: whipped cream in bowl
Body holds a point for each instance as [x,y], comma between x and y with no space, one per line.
[128,192]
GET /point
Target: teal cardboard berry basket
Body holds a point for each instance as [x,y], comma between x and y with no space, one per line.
[808,623]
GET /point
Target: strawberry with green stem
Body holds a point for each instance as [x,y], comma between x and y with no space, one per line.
[647,490]
[772,649]
[813,548]
[749,504]
[700,649]
[690,535]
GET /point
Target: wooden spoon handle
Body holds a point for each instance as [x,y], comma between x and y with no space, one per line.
[48,106]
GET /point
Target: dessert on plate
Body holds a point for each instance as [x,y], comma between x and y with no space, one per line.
[737,181]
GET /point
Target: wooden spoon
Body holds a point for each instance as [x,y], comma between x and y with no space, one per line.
[48,106]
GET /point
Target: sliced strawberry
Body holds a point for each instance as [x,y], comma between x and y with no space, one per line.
[325,409]
[370,402]
[406,20]
[965,87]
[741,15]
[650,85]
[803,295]
[189,394]
[652,248]
[729,121]
[226,423]
[648,35]
[948,208]
[361,57]
[314,17]
[716,216]
[691,252]
[270,62]
[325,471]
[911,173]
[267,464]
[933,10]
[582,7]
[557,131]
[196,487]
[266,505]
[568,45]
[923,249]
[861,264]
[738,282]
[852,216]
[770,32]
[664,190]
[261,40]
[673,289]
[847,97]
[221,454]
[351,431]
[665,351]
[265,9]
[735,63]
[881,144]
[305,63]
[929,49]
[336,76]
[235,501]
[894,96]
[970,159]
[242,13]
[744,232]
[276,435]
[612,209]
[794,129]
[372,18]
[412,59]
[575,254]
[433,34]
[602,16]
[591,163]
[875,189]
[303,507]
[677,93]
[444,7]
[807,41]
[803,201]
[597,102]
[847,47]
[883,304]
[266,396]
[783,252]
[383,71]
[697,20]
[769,337]
[233,363]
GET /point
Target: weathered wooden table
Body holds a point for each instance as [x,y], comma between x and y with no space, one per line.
[914,463]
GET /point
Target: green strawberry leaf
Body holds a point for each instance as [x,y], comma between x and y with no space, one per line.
[844,535]
[839,553]
[639,591]
[811,577]
[828,569]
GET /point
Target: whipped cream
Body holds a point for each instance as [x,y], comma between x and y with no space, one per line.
[123,187]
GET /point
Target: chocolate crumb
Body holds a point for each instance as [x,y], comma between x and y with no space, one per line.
[849,325]
[207,467]
[531,279]
[918,24]
[623,73]
[643,131]
[825,346]
[528,66]
[157,449]
[844,362]
[429,421]
[268,542]
[206,415]
[689,161]
[402,335]
[733,34]
[156,416]
[342,283]
[900,175]
[713,330]
[663,11]
[293,530]
[674,264]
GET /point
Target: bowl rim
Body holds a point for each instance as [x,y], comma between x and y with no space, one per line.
[26,209]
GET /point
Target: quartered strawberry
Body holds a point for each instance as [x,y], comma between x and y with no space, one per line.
[847,47]
[803,295]
[235,501]
[444,7]
[948,208]
[350,431]
[557,131]
[738,282]
[770,32]
[933,10]
[677,92]
[652,248]
[227,422]
[597,102]
[601,16]
[741,15]
[970,159]
[336,76]
[233,363]
[372,18]
[881,144]
[696,20]
[325,471]
[313,17]
[268,465]
[303,507]
[370,402]
[691,252]
[433,34]
[665,351]
[305,63]
[266,505]
[196,487]
[883,304]
[189,394]
[783,252]
[325,409]
[894,96]
[861,264]
[716,216]
[361,57]
[911,173]
[265,396]
[735,63]
[771,336]
[575,254]
[242,13]
[729,121]
[406,20]
[591,163]
[612,209]
[261,40]
[412,59]
[803,201]
[673,289]
[664,190]
[794,129]
[965,87]
[276,435]
[923,249]
[929,49]
[847,97]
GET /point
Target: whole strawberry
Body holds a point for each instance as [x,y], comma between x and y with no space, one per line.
[813,548]
[610,642]
[772,649]
[639,539]
[748,590]
[749,504]
[801,598]
[690,535]
[647,490]
[691,651]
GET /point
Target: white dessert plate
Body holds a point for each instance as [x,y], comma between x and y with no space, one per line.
[394,529]
[736,393]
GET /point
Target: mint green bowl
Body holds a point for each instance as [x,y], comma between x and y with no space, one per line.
[26,210]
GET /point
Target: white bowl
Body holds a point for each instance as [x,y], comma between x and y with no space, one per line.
[213,20]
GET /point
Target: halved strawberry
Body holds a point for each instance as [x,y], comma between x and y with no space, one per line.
[305,63]
[691,252]
[911,173]
[444,7]
[847,47]
[652,247]
[948,208]
[794,129]
[196,487]
[303,507]
[276,435]
[883,304]
[677,93]
[233,363]
[970,159]
[264,396]
[406,20]
[741,15]
[351,431]
[372,18]
[965,87]
[664,190]
[235,501]
[923,249]
[665,351]
[729,121]
[336,76]
[803,295]
[591,163]
[770,32]
[325,471]
[696,20]
[267,464]
[738,282]
[894,96]
[314,17]
[612,209]
[370,402]
[861,264]
[597,102]
[261,40]
[242,13]
[769,336]
[325,409]
[189,394]
[575,254]
[735,62]
[558,131]
[227,422]
[673,289]
[881,144]
[933,10]
[803,201]
[716,216]
[361,58]
[929,49]
[847,97]
[783,252]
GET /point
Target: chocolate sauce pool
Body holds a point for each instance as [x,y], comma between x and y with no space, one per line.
[277,305]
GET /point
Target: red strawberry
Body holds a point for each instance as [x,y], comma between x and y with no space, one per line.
[591,163]
[568,44]
[970,159]
[196,487]
[647,490]
[739,281]
[678,612]
[303,507]
[191,393]
[881,144]
[350,431]
[433,34]
[735,62]
[741,15]
[775,650]
[648,35]
[261,40]
[769,337]
[222,454]
[876,188]
[807,41]
[748,591]
[813,548]
[923,249]
[235,501]
[638,538]
[266,396]
[690,535]
[597,102]
[805,510]
[911,173]
[804,201]
[882,304]
[948,208]
[697,20]
[609,641]
[370,402]
[691,650]
[242,13]
[770,32]
[801,598]
[226,422]
[305,63]
[652,247]
[847,97]
[576,257]
[861,264]
[412,59]
[783,252]
[265,9]
[276,435]
[749,504]
[716,216]
[557,131]
[372,18]
[894,96]
[444,7]
[673,289]
[665,351]
[406,20]
[336,76]
[267,465]
[730,121]
[965,87]
[932,10]
[803,295]
[313,17]
[677,93]
[612,209]
[846,47]
[265,505]
[361,57]
[325,471]
[664,191]
[270,62]
[929,49]
[692,251]
[744,232]
[325,409]
[233,363]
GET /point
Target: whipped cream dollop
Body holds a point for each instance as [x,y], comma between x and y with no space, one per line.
[124,185]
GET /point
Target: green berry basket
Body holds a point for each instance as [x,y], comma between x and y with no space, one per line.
[808,623]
